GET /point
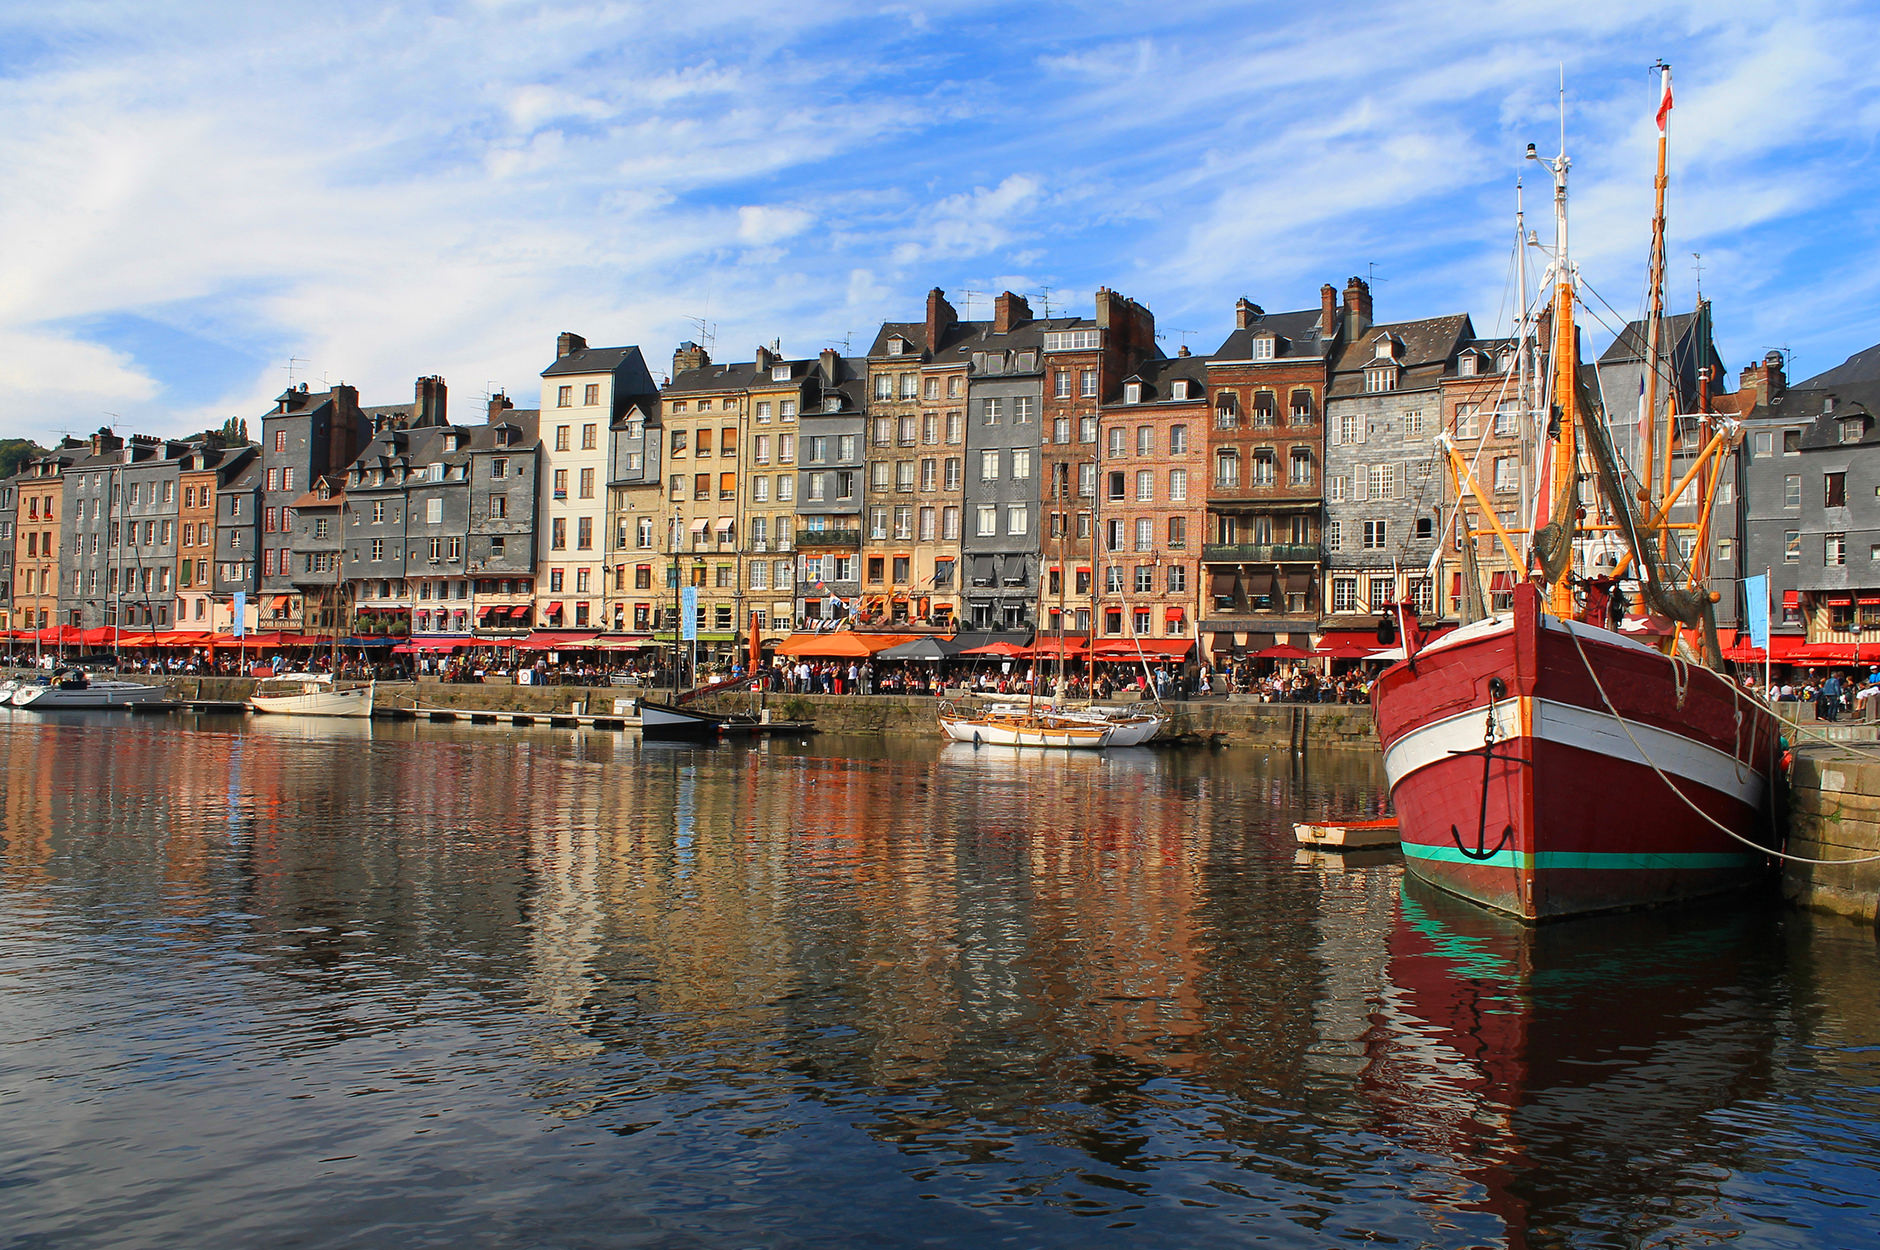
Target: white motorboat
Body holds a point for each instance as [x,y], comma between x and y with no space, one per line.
[667,720]
[75,689]
[312,694]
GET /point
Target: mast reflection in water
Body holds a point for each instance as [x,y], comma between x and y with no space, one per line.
[353,984]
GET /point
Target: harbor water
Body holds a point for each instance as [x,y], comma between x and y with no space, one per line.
[267,982]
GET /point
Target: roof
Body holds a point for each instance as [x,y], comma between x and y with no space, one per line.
[915,332]
[736,376]
[1631,342]
[1297,335]
[1862,366]
[592,360]
[1427,347]
[1157,375]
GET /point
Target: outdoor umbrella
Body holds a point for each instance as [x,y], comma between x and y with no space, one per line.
[1283,651]
[918,649]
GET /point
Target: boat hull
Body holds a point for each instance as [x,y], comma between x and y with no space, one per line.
[664,721]
[354,703]
[1016,733]
[90,698]
[1563,810]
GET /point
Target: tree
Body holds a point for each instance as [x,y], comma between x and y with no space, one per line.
[235,431]
[16,451]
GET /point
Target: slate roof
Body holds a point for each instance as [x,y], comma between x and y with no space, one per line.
[915,332]
[1862,366]
[1428,346]
[1297,334]
[1631,342]
[591,360]
[1157,375]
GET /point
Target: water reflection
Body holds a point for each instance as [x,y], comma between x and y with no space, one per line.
[839,990]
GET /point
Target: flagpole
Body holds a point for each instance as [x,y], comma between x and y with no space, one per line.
[1769,641]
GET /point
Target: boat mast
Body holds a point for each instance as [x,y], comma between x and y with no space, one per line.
[1562,423]
[1648,416]
[672,541]
[1524,396]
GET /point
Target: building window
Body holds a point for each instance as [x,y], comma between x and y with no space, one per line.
[1017,519]
[1088,383]
[1344,594]
[564,398]
[280,440]
[1834,490]
[1374,532]
[987,520]
[1227,468]
[1834,549]
[1299,467]
[1792,547]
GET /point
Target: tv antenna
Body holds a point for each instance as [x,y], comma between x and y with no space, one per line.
[1044,301]
[707,332]
[291,362]
[967,297]
[1183,341]
[1697,262]
[1370,274]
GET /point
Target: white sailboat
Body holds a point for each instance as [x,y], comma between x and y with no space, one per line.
[312,694]
[75,689]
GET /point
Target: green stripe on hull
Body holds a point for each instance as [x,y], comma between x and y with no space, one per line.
[1584,859]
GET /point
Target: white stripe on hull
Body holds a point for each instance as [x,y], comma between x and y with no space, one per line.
[1569,725]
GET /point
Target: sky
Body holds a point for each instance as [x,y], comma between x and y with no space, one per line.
[200,198]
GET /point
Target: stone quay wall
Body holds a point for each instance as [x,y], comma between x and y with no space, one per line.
[1834,813]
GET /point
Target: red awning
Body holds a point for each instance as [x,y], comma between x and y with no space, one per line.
[1866,600]
[1145,648]
[1791,598]
[1175,614]
[488,608]
[553,610]
[1007,649]
[278,603]
[1282,651]
[556,642]
[1838,601]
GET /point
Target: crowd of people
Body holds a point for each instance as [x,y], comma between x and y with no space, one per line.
[1833,696]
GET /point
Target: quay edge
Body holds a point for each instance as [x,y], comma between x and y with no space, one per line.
[1834,813]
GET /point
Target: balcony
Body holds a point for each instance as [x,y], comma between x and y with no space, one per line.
[1260,553]
[808,539]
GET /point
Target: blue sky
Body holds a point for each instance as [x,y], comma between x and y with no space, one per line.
[197,192]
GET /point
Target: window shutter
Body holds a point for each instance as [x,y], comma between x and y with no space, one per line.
[1361,423]
[1360,483]
[1336,433]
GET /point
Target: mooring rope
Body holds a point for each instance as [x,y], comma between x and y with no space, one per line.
[1672,786]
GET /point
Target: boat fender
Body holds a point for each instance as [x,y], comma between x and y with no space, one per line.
[975,737]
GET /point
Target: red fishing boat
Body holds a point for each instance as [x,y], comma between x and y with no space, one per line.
[1560,757]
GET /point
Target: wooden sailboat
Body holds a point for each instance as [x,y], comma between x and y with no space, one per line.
[1543,761]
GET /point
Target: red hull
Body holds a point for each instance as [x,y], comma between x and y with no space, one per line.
[1563,812]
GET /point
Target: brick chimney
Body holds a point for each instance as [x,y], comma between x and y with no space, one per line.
[1764,381]
[940,316]
[499,404]
[1357,309]
[1009,311]
[567,344]
[1183,350]
[689,356]
[432,406]
[1245,310]
[1128,329]
[1328,311]
[104,440]
[827,361]
[763,358]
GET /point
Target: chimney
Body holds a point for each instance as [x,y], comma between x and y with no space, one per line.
[567,344]
[1183,350]
[763,359]
[104,440]
[1357,309]
[1328,311]
[828,361]
[1765,381]
[1009,311]
[940,316]
[689,356]
[432,405]
[499,404]
[1244,310]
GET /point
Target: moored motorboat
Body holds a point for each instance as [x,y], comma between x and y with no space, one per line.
[312,694]
[670,721]
[77,690]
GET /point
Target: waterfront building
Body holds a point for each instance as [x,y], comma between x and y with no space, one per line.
[831,471]
[763,458]
[916,474]
[9,511]
[1083,363]
[308,435]
[1003,500]
[120,509]
[636,511]
[203,471]
[238,542]
[1154,500]
[704,411]
[505,471]
[1810,503]
[1481,411]
[38,526]
[317,541]
[1384,478]
[1265,444]
[584,392]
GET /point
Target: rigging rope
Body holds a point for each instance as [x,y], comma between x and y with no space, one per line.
[1672,786]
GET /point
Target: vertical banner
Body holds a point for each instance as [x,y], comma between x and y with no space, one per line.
[688,614]
[1756,609]
[240,608]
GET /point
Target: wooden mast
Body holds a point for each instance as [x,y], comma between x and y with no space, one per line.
[1564,428]
[1648,415]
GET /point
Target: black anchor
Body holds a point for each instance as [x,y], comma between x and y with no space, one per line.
[1497,690]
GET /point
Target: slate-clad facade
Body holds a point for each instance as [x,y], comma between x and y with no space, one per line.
[832,473]
[1002,577]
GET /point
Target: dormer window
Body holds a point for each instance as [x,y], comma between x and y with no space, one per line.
[780,373]
[636,429]
[1380,378]
[832,403]
[1465,364]
[1505,362]
[1132,392]
[1385,348]
[1180,389]
[1853,429]
[1264,347]
[1827,404]
[897,346]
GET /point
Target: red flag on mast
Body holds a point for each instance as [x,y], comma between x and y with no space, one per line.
[1664,101]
